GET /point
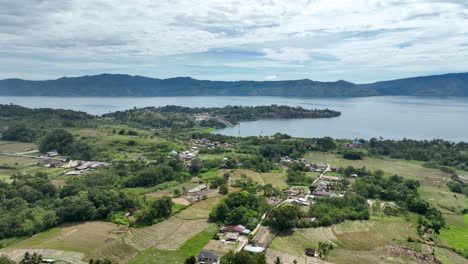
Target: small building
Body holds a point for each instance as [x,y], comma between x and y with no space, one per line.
[322,194]
[330,178]
[308,219]
[310,252]
[254,249]
[354,175]
[52,153]
[207,257]
[231,236]
[48,260]
[291,192]
[198,188]
[236,228]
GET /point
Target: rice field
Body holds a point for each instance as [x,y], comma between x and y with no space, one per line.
[199,210]
[191,247]
[365,240]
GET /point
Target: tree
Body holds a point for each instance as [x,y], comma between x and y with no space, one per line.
[77,208]
[223,189]
[278,261]
[31,259]
[285,217]
[243,257]
[353,155]
[326,144]
[59,140]
[324,248]
[219,213]
[163,207]
[191,260]
[19,133]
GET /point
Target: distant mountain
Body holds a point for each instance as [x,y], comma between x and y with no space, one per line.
[455,84]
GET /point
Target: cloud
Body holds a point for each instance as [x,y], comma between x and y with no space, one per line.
[358,40]
[270,78]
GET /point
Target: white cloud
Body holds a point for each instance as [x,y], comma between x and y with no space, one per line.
[270,78]
[358,38]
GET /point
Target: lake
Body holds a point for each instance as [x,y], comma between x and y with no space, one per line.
[365,117]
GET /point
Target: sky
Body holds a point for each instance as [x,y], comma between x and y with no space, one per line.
[325,40]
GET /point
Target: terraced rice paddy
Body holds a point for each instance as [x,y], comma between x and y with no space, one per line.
[366,239]
[199,210]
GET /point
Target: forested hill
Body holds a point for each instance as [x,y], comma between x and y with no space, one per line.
[126,85]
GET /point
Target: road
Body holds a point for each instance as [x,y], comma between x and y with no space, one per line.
[323,173]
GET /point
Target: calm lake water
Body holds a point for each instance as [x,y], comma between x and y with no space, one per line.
[387,117]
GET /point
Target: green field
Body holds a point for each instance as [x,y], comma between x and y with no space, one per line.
[190,248]
[456,236]
[199,210]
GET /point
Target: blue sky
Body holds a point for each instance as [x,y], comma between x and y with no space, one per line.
[355,40]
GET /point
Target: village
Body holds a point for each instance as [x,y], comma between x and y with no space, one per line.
[259,239]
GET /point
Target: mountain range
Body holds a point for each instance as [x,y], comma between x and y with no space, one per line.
[453,84]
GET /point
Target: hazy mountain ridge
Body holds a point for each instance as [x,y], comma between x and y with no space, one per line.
[455,84]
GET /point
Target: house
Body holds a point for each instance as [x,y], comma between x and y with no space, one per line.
[52,153]
[198,188]
[322,194]
[330,178]
[231,236]
[141,158]
[236,228]
[310,252]
[207,257]
[48,260]
[291,192]
[357,143]
[254,249]
[308,219]
[55,164]
[75,172]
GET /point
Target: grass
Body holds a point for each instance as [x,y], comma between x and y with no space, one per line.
[447,256]
[199,210]
[145,190]
[16,161]
[277,179]
[79,237]
[15,147]
[168,189]
[209,174]
[190,248]
[256,177]
[456,236]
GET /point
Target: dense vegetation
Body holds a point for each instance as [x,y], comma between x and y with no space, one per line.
[182,117]
[31,203]
[438,153]
[404,193]
[239,208]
